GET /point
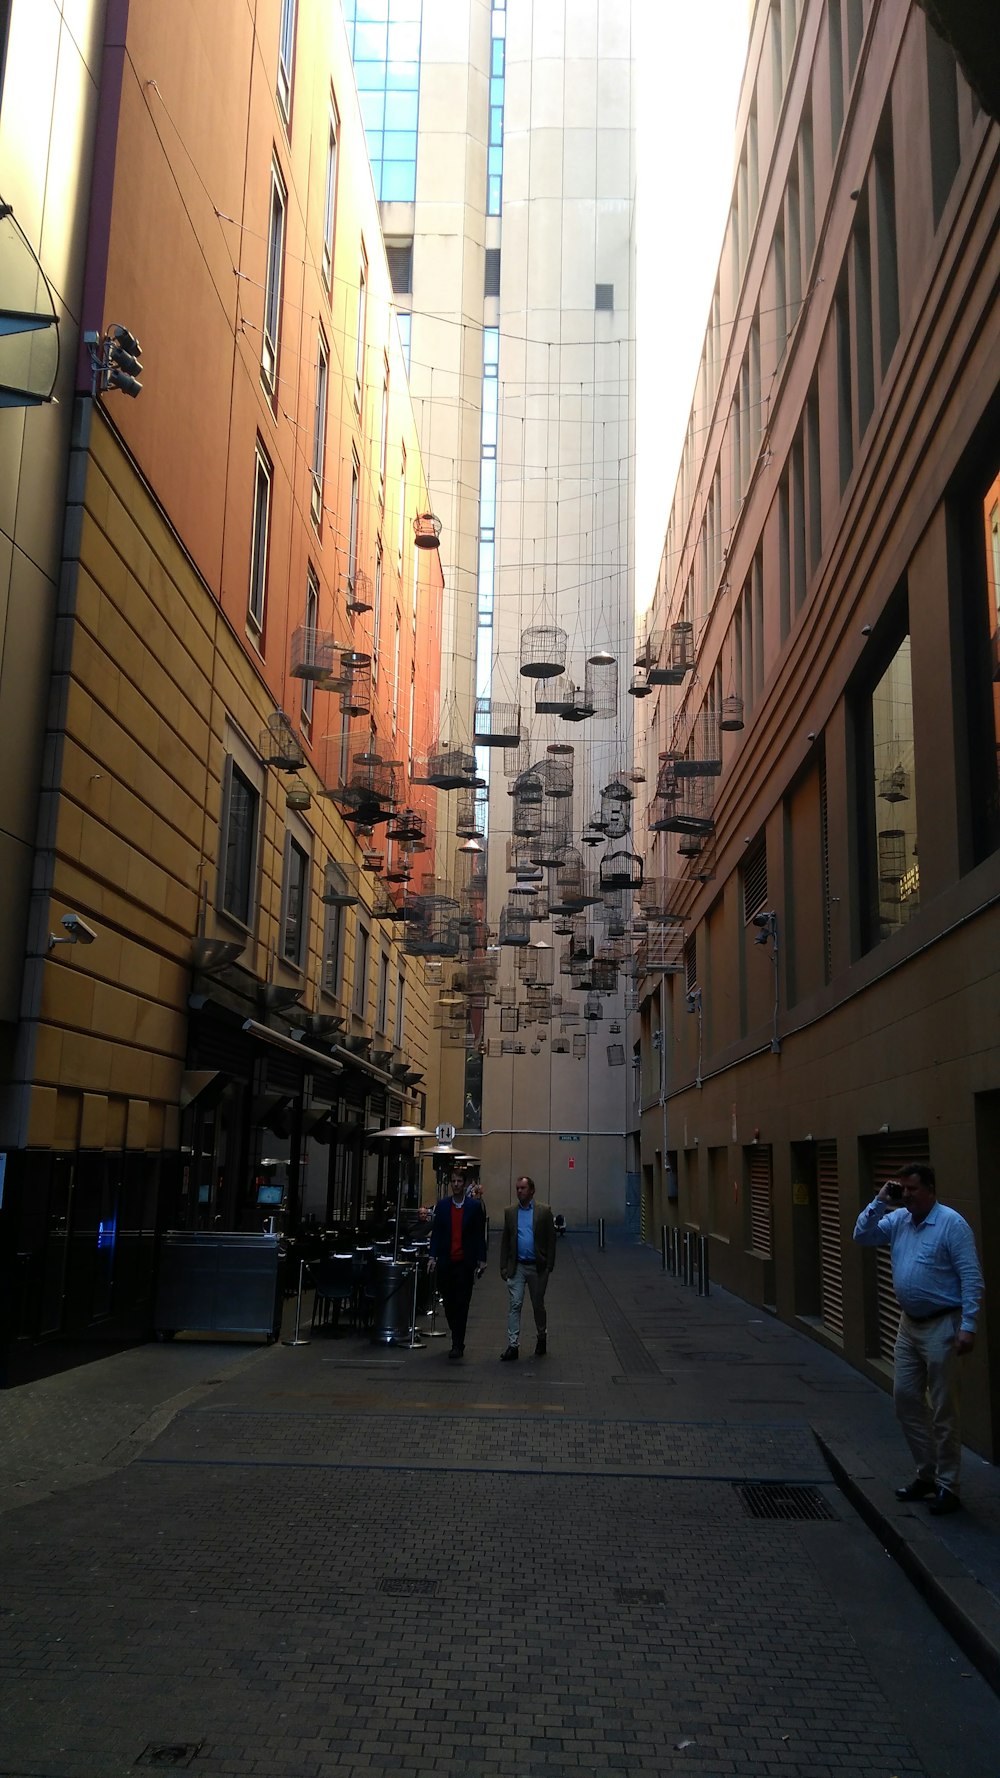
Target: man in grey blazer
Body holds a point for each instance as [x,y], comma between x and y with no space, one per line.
[527,1257]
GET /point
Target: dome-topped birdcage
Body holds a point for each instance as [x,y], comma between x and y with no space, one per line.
[280,745]
[601,686]
[515,925]
[497,724]
[557,775]
[621,870]
[593,1007]
[470,818]
[616,809]
[568,887]
[356,698]
[679,658]
[529,788]
[543,651]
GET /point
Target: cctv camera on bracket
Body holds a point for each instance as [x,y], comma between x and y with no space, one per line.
[77,932]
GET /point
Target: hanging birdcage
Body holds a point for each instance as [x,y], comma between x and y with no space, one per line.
[298,795]
[313,653]
[497,724]
[639,687]
[576,705]
[448,768]
[557,775]
[662,950]
[515,925]
[894,785]
[657,898]
[731,718]
[568,890]
[529,788]
[389,904]
[526,820]
[600,686]
[516,759]
[616,809]
[280,745]
[356,698]
[679,656]
[621,870]
[427,531]
[341,888]
[470,818]
[359,593]
[691,811]
[616,1055]
[407,826]
[891,854]
[543,651]
[703,757]
[548,846]
[432,928]
[538,966]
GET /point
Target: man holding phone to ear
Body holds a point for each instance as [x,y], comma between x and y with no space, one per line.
[937,1278]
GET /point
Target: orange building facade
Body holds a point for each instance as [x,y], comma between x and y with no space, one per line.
[247,661]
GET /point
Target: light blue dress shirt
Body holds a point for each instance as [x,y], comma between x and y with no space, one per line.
[526,1236]
[934,1262]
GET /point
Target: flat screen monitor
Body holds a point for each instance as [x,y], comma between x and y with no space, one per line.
[269,1195]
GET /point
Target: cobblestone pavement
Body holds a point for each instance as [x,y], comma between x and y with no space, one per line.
[343,1558]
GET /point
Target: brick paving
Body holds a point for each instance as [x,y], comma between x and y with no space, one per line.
[338,1558]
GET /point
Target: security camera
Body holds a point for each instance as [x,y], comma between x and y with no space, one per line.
[762,919]
[80,933]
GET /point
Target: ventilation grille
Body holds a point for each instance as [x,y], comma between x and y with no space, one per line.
[782,1500]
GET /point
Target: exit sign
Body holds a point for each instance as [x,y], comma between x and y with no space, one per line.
[569,1138]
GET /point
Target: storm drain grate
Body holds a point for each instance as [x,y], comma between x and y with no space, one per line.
[401,1588]
[169,1753]
[782,1500]
[640,1595]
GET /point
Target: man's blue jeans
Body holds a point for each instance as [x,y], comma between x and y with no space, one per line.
[530,1278]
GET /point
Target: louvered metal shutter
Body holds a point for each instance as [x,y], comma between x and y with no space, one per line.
[889,1155]
[831,1271]
[760,1201]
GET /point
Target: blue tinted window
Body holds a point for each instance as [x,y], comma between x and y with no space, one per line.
[404,43]
[488,492]
[496,92]
[400,145]
[496,124]
[491,345]
[400,111]
[495,163]
[403,322]
[370,43]
[369,76]
[493,196]
[372,109]
[498,56]
[402,77]
[398,184]
[370,9]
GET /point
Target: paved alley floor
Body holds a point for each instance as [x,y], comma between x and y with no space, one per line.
[341,1557]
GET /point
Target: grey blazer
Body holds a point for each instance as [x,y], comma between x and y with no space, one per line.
[545,1239]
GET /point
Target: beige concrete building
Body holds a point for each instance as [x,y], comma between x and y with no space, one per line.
[823,740]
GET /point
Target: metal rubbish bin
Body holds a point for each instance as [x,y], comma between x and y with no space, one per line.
[393,1302]
[218,1283]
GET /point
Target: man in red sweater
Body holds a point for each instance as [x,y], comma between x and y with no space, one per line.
[458,1255]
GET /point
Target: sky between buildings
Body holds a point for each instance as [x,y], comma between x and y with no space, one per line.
[690,61]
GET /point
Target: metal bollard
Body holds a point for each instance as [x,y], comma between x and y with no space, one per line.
[663,1245]
[295,1341]
[703,1284]
[600,1233]
[674,1251]
[688,1258]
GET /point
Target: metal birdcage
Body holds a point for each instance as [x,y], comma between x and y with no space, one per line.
[359,593]
[356,698]
[408,826]
[280,745]
[679,657]
[657,898]
[341,888]
[691,812]
[604,974]
[703,756]
[470,818]
[448,768]
[548,846]
[543,651]
[731,718]
[662,951]
[497,724]
[601,687]
[621,870]
[433,926]
[427,531]
[568,889]
[313,653]
[529,788]
[580,1046]
[516,759]
[616,1055]
[515,925]
[526,820]
[557,775]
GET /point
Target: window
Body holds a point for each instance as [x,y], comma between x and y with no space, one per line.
[604,297]
[887,797]
[382,995]
[402,510]
[397,1035]
[359,1001]
[330,196]
[241,806]
[273,279]
[319,427]
[377,613]
[286,57]
[260,540]
[383,452]
[885,240]
[312,623]
[942,94]
[845,399]
[753,879]
[491,274]
[352,534]
[295,905]
[864,357]
[359,362]
[395,673]
[335,891]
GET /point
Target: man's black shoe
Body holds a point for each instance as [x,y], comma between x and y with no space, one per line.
[540,1347]
[508,1356]
[945,1502]
[921,1488]
[457,1352]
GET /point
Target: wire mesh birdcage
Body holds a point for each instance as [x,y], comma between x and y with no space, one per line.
[359,593]
[543,651]
[529,788]
[679,658]
[407,826]
[356,698]
[427,531]
[580,1046]
[621,870]
[702,757]
[600,687]
[432,929]
[616,1055]
[341,883]
[447,768]
[731,718]
[497,724]
[280,745]
[515,925]
[556,772]
[313,653]
[526,820]
[568,887]
[548,846]
[470,816]
[662,950]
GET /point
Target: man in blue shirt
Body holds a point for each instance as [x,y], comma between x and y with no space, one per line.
[938,1281]
[527,1256]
